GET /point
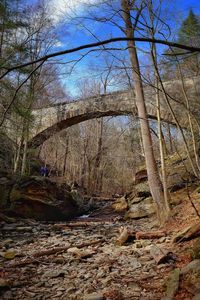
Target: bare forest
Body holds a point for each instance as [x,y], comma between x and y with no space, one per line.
[99,149]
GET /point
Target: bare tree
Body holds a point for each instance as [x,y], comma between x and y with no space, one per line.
[152,171]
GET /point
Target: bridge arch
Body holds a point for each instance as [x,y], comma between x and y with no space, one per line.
[51,120]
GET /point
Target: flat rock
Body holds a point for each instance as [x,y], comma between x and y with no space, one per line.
[196,297]
[192,266]
[94,296]
[191,277]
[3,283]
[24,229]
[172,285]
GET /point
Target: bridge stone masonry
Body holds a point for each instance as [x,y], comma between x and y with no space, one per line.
[52,119]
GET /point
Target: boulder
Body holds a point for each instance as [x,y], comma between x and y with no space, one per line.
[140,176]
[6,184]
[172,284]
[140,190]
[142,209]
[134,200]
[179,171]
[191,277]
[120,204]
[41,199]
[193,266]
[137,204]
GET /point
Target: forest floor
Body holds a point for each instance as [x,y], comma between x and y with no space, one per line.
[81,260]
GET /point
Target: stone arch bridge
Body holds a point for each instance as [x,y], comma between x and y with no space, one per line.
[52,119]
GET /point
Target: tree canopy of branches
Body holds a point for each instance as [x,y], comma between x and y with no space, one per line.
[28,74]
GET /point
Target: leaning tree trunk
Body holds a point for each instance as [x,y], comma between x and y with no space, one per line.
[152,171]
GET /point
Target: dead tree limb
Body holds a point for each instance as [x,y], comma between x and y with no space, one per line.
[100,43]
[52,251]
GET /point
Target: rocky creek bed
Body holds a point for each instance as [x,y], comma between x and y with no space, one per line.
[81,260]
[100,269]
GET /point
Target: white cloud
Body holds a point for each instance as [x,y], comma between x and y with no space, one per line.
[58,8]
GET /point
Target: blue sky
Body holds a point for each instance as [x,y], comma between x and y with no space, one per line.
[174,12]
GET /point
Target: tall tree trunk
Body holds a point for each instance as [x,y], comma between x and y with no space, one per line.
[160,134]
[152,171]
[83,167]
[165,150]
[25,135]
[18,152]
[161,146]
[56,160]
[98,157]
[170,139]
[23,169]
[89,179]
[65,156]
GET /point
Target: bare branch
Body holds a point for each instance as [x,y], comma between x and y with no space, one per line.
[100,43]
[17,90]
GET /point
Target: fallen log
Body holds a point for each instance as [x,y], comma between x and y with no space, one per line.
[27,261]
[188,233]
[124,235]
[64,248]
[71,225]
[7,219]
[162,256]
[149,235]
[81,224]
[96,198]
[53,251]
[127,234]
